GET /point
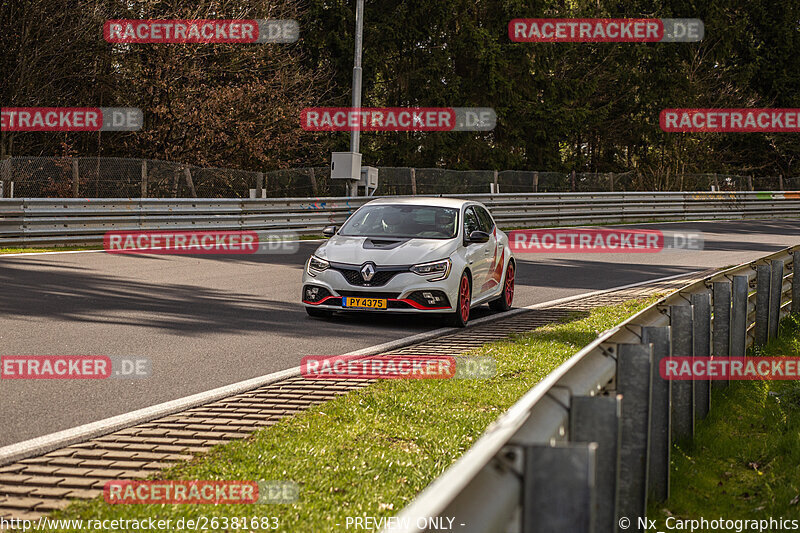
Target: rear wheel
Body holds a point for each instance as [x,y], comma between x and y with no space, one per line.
[503,303]
[318,313]
[460,316]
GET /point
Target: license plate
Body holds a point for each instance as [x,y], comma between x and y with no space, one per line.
[365,303]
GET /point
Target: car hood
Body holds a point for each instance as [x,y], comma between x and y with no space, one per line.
[358,250]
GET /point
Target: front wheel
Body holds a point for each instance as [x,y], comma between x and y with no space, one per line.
[503,303]
[318,313]
[460,316]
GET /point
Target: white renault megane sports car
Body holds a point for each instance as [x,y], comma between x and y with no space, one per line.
[412,255]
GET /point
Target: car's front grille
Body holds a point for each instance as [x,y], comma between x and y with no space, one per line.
[352,274]
[353,277]
[370,294]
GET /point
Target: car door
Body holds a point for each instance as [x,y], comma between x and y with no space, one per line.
[476,253]
[494,254]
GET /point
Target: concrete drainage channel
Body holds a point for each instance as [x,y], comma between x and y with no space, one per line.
[43,475]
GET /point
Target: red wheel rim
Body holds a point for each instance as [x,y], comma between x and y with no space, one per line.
[463,298]
[509,289]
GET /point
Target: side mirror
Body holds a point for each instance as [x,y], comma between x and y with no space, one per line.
[477,237]
[329,231]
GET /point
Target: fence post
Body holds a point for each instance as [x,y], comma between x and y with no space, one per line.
[314,187]
[761,334]
[682,391]
[260,184]
[175,182]
[536,181]
[722,323]
[750,183]
[2,188]
[496,188]
[597,419]
[634,376]
[780,182]
[701,302]
[611,182]
[796,281]
[144,178]
[776,289]
[75,177]
[564,506]
[188,175]
[572,180]
[413,181]
[660,417]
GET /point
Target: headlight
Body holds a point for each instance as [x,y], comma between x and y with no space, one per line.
[315,264]
[439,269]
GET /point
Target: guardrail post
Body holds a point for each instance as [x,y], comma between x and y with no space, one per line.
[701,302]
[775,292]
[741,291]
[634,377]
[660,418]
[761,333]
[682,391]
[796,281]
[568,503]
[722,323]
[597,419]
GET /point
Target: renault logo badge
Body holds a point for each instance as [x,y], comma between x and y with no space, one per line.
[368,271]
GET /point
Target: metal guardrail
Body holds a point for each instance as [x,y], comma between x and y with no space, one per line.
[43,221]
[591,442]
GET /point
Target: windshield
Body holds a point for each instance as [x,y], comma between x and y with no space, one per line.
[404,221]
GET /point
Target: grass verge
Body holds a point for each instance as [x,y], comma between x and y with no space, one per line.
[744,462]
[40,250]
[368,453]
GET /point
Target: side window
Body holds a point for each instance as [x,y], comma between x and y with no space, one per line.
[486,219]
[471,222]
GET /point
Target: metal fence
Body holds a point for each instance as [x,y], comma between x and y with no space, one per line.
[590,444]
[41,221]
[113,177]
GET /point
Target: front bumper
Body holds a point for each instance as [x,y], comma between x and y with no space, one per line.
[404,292]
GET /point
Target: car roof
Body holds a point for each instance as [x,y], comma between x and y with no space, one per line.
[422,200]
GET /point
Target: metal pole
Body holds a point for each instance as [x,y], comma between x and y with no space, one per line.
[144,178]
[569,504]
[796,281]
[660,417]
[763,274]
[597,419]
[775,292]
[634,377]
[701,302]
[75,176]
[741,289]
[682,391]
[354,134]
[722,323]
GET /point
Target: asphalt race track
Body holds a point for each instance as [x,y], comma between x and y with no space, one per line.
[209,321]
